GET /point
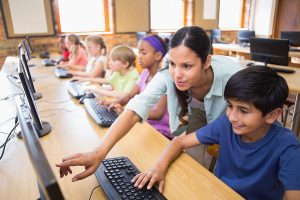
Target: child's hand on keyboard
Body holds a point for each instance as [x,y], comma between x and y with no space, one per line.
[77,78]
[152,176]
[117,107]
[90,160]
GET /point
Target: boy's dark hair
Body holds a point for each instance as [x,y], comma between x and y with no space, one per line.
[197,40]
[258,85]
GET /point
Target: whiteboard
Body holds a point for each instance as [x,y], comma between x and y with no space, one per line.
[30,17]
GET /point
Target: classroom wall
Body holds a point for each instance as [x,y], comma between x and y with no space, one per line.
[8,47]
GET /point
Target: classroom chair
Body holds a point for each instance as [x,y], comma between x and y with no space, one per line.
[288,104]
[213,150]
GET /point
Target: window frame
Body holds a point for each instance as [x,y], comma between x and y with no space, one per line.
[106,18]
[243,23]
[184,17]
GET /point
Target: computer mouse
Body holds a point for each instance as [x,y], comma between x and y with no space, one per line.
[250,64]
[89,95]
[73,80]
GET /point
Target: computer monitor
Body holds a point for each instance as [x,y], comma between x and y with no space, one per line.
[273,51]
[244,36]
[27,47]
[292,36]
[37,95]
[48,186]
[42,128]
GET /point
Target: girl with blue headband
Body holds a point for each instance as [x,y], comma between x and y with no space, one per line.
[152,49]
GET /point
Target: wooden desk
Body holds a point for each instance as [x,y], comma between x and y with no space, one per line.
[74,131]
[244,50]
[293,81]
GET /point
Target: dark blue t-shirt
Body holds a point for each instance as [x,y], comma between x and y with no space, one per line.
[264,169]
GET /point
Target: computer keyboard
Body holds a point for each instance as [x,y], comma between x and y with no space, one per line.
[75,89]
[49,62]
[101,115]
[114,176]
[62,73]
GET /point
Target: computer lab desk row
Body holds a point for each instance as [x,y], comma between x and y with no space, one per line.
[244,50]
[74,131]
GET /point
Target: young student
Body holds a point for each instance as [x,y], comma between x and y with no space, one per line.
[192,74]
[258,158]
[152,49]
[78,56]
[96,49]
[124,75]
[64,50]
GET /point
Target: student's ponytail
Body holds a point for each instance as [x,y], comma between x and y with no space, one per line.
[97,39]
[74,39]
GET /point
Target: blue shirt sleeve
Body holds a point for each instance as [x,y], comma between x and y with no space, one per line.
[289,167]
[210,134]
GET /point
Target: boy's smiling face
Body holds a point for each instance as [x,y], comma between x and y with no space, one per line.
[248,121]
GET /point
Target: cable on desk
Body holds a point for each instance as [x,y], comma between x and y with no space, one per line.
[55,84]
[5,122]
[10,80]
[58,109]
[93,191]
[54,102]
[9,137]
[10,97]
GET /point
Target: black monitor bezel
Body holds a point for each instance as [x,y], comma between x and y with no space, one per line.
[48,185]
[26,67]
[291,35]
[268,51]
[27,47]
[29,96]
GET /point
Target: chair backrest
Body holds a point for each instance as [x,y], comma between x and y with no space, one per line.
[140,35]
[215,35]
[245,35]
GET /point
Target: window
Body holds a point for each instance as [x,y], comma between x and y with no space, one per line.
[167,14]
[81,16]
[230,18]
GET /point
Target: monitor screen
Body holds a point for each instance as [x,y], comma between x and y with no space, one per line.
[292,36]
[245,35]
[273,51]
[47,183]
[27,47]
[25,67]
[43,128]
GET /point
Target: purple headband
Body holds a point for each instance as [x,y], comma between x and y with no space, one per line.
[156,44]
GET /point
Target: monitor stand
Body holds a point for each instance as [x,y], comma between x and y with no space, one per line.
[37,95]
[280,70]
[46,129]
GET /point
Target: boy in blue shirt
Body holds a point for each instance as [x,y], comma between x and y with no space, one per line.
[258,158]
